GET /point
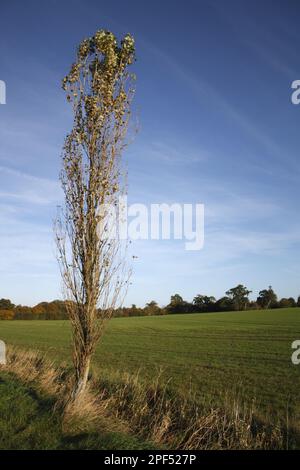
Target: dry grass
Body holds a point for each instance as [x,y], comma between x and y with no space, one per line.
[151,412]
[31,366]
[179,422]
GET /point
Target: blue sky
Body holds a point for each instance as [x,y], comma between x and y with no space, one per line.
[216,127]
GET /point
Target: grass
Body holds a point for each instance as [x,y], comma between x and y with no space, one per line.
[27,421]
[211,356]
[128,411]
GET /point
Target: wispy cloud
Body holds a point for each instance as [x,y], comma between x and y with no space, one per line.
[205,92]
[23,187]
[176,155]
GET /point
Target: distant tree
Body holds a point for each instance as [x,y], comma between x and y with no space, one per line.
[24,313]
[178,305]
[224,304]
[176,299]
[204,303]
[253,305]
[287,303]
[239,296]
[40,310]
[152,308]
[132,311]
[6,314]
[6,304]
[298,301]
[292,301]
[267,298]
[55,310]
[135,311]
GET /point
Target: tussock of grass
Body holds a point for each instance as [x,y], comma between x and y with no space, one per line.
[153,413]
[31,366]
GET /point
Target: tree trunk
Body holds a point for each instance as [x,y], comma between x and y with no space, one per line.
[81,379]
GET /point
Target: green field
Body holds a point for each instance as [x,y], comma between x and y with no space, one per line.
[248,353]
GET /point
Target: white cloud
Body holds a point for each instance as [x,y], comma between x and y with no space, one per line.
[28,189]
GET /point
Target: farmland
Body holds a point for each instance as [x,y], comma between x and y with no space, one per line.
[247,354]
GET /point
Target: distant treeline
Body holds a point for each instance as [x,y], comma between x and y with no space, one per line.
[236,298]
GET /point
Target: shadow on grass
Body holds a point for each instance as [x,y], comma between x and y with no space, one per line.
[27,421]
